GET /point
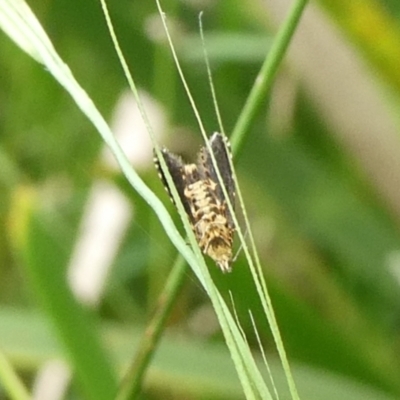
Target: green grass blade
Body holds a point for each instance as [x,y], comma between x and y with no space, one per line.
[39,46]
[76,328]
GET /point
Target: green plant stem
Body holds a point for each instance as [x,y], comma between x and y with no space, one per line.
[132,381]
[266,76]
[12,384]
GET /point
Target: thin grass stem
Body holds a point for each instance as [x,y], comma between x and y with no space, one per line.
[132,382]
[266,75]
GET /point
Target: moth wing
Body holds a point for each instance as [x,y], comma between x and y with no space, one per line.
[220,148]
[176,168]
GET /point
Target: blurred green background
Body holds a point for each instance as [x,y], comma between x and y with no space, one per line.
[319,172]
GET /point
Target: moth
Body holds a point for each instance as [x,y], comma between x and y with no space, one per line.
[203,198]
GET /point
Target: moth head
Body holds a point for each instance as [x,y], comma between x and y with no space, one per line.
[221,252]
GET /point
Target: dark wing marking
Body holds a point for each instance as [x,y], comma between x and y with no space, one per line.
[220,148]
[176,168]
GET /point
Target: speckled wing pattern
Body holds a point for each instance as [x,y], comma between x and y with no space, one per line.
[203,198]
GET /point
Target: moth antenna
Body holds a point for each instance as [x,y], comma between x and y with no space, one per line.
[209,74]
[180,71]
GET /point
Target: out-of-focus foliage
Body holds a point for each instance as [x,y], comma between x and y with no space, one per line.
[328,239]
